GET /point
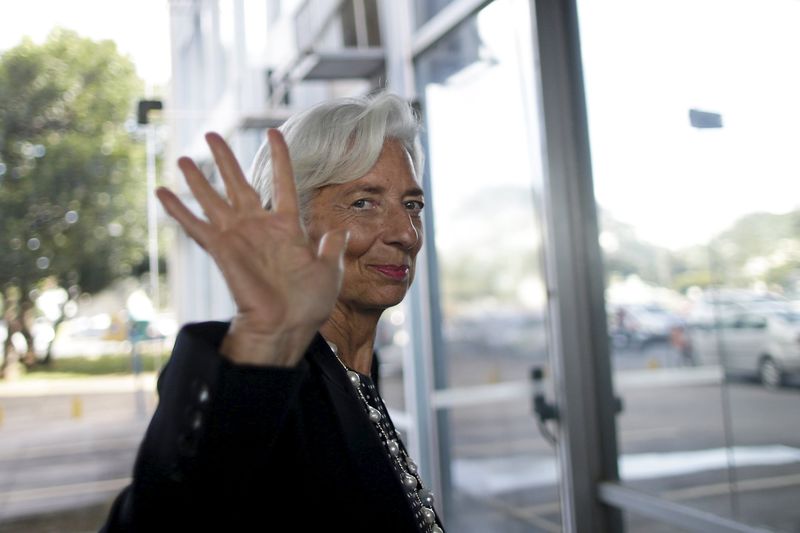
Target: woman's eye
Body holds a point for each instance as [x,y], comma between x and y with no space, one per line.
[414,206]
[363,203]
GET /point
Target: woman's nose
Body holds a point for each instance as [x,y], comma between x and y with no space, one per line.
[400,229]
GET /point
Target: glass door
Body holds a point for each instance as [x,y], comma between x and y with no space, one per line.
[695,122]
[478,96]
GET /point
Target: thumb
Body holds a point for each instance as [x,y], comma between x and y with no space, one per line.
[332,246]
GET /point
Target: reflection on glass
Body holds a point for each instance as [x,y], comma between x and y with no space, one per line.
[478,97]
[427,9]
[390,340]
[504,474]
[480,123]
[700,227]
[638,523]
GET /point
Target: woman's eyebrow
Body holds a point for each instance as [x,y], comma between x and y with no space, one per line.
[371,189]
[376,189]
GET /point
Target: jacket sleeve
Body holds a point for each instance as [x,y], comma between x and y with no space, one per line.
[214,420]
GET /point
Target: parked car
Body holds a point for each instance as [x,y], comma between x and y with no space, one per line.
[640,325]
[761,341]
[719,304]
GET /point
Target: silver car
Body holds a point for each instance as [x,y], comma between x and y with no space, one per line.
[764,343]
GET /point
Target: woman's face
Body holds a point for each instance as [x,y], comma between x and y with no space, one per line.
[381,210]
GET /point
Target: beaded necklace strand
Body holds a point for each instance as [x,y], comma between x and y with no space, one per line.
[409,474]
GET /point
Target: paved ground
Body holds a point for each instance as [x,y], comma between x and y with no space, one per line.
[67,448]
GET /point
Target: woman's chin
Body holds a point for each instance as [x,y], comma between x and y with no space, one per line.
[381,302]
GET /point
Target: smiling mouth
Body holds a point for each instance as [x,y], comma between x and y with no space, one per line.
[395,272]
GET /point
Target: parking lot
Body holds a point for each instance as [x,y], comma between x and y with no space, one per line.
[66,449]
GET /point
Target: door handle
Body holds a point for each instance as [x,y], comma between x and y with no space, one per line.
[542,408]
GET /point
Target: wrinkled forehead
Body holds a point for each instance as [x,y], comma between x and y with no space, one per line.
[393,172]
[394,169]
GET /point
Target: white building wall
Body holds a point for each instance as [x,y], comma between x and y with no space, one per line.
[215,83]
[221,53]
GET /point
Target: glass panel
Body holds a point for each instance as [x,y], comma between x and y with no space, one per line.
[504,474]
[639,524]
[427,9]
[479,101]
[479,104]
[390,339]
[700,226]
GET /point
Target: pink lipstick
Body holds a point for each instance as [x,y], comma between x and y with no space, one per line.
[395,272]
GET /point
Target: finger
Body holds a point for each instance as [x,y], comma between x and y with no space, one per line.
[284,190]
[240,192]
[214,206]
[196,228]
[332,247]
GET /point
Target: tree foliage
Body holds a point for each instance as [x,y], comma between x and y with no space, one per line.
[757,247]
[72,187]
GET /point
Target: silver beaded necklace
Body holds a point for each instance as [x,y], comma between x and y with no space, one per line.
[409,474]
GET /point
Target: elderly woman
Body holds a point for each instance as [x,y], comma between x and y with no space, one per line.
[273,422]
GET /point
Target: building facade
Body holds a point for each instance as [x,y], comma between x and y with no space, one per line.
[546,368]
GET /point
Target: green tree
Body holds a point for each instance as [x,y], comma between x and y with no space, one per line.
[760,247]
[72,187]
[631,255]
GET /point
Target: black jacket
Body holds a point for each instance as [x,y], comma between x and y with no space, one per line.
[244,448]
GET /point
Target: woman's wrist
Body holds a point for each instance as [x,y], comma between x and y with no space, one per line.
[244,347]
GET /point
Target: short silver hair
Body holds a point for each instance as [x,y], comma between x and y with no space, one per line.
[338,141]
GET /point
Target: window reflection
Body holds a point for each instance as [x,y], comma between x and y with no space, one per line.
[427,9]
[700,228]
[478,101]
[478,96]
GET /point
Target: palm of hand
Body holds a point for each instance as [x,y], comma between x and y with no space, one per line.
[284,289]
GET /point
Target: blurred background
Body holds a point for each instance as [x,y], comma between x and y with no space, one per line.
[694,127]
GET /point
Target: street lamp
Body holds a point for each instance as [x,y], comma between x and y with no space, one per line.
[704,119]
[708,120]
[143,115]
[143,118]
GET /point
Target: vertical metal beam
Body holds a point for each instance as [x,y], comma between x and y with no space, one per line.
[419,361]
[578,330]
[441,24]
[396,22]
[360,23]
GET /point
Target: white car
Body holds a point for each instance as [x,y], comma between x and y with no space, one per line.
[756,342]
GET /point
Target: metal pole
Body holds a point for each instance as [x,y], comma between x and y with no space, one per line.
[152,220]
[578,327]
[427,435]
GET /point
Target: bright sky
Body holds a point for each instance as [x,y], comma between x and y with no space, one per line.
[139,27]
[676,184]
[646,63]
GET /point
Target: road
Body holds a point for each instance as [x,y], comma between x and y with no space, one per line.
[68,445]
[70,450]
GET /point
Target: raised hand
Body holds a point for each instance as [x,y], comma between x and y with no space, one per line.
[284,289]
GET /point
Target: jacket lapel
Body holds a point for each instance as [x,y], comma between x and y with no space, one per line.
[361,439]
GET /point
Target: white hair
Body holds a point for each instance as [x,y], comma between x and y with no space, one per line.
[339,141]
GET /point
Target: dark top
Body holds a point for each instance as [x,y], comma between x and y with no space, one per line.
[246,448]
[372,397]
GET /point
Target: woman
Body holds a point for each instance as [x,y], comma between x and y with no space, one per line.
[272,422]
